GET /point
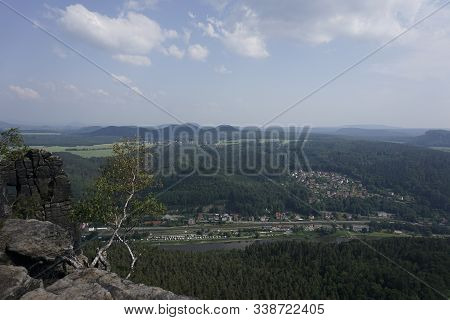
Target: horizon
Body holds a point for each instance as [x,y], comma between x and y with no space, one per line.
[28,126]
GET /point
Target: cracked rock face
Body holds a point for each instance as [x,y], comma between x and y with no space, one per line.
[15,282]
[36,240]
[38,186]
[39,246]
[95,284]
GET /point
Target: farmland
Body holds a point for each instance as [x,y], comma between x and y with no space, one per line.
[95,151]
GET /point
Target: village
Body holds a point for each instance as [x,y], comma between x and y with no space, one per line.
[214,224]
[330,185]
[214,227]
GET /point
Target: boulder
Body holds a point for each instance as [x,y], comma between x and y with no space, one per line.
[95,284]
[36,240]
[15,282]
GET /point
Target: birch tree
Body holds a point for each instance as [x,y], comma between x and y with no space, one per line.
[119,199]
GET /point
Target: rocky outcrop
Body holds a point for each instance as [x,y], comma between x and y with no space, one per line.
[36,187]
[95,284]
[15,282]
[37,261]
[37,256]
[44,248]
[37,240]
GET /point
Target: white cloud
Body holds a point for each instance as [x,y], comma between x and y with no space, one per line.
[240,35]
[191,15]
[208,29]
[222,70]
[133,59]
[244,42]
[322,21]
[139,5]
[131,33]
[424,52]
[176,52]
[24,93]
[198,52]
[246,26]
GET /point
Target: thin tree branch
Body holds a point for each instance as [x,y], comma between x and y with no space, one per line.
[133,257]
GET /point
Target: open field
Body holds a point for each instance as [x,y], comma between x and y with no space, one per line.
[98,151]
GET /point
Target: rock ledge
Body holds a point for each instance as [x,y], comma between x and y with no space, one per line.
[95,284]
[29,248]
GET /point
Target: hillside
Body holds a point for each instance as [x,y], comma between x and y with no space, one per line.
[298,270]
[433,138]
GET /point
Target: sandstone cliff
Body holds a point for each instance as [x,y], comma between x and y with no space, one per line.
[36,187]
[37,262]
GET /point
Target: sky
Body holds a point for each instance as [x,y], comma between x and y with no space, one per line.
[224,62]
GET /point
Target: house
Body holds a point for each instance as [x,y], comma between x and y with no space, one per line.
[327,215]
[279,215]
[226,218]
[382,214]
[169,217]
[360,228]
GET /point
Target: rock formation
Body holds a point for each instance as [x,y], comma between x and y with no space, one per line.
[37,261]
[96,284]
[44,248]
[37,256]
[15,282]
[36,187]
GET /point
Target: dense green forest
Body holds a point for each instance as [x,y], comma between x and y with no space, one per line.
[297,270]
[81,171]
[249,196]
[421,173]
[424,173]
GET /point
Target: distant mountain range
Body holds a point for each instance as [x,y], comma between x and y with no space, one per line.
[170,132]
[380,133]
[433,138]
[5,125]
[419,137]
[190,131]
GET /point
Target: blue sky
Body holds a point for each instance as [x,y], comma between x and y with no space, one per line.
[234,62]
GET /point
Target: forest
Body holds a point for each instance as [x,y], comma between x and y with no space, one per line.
[418,172]
[297,270]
